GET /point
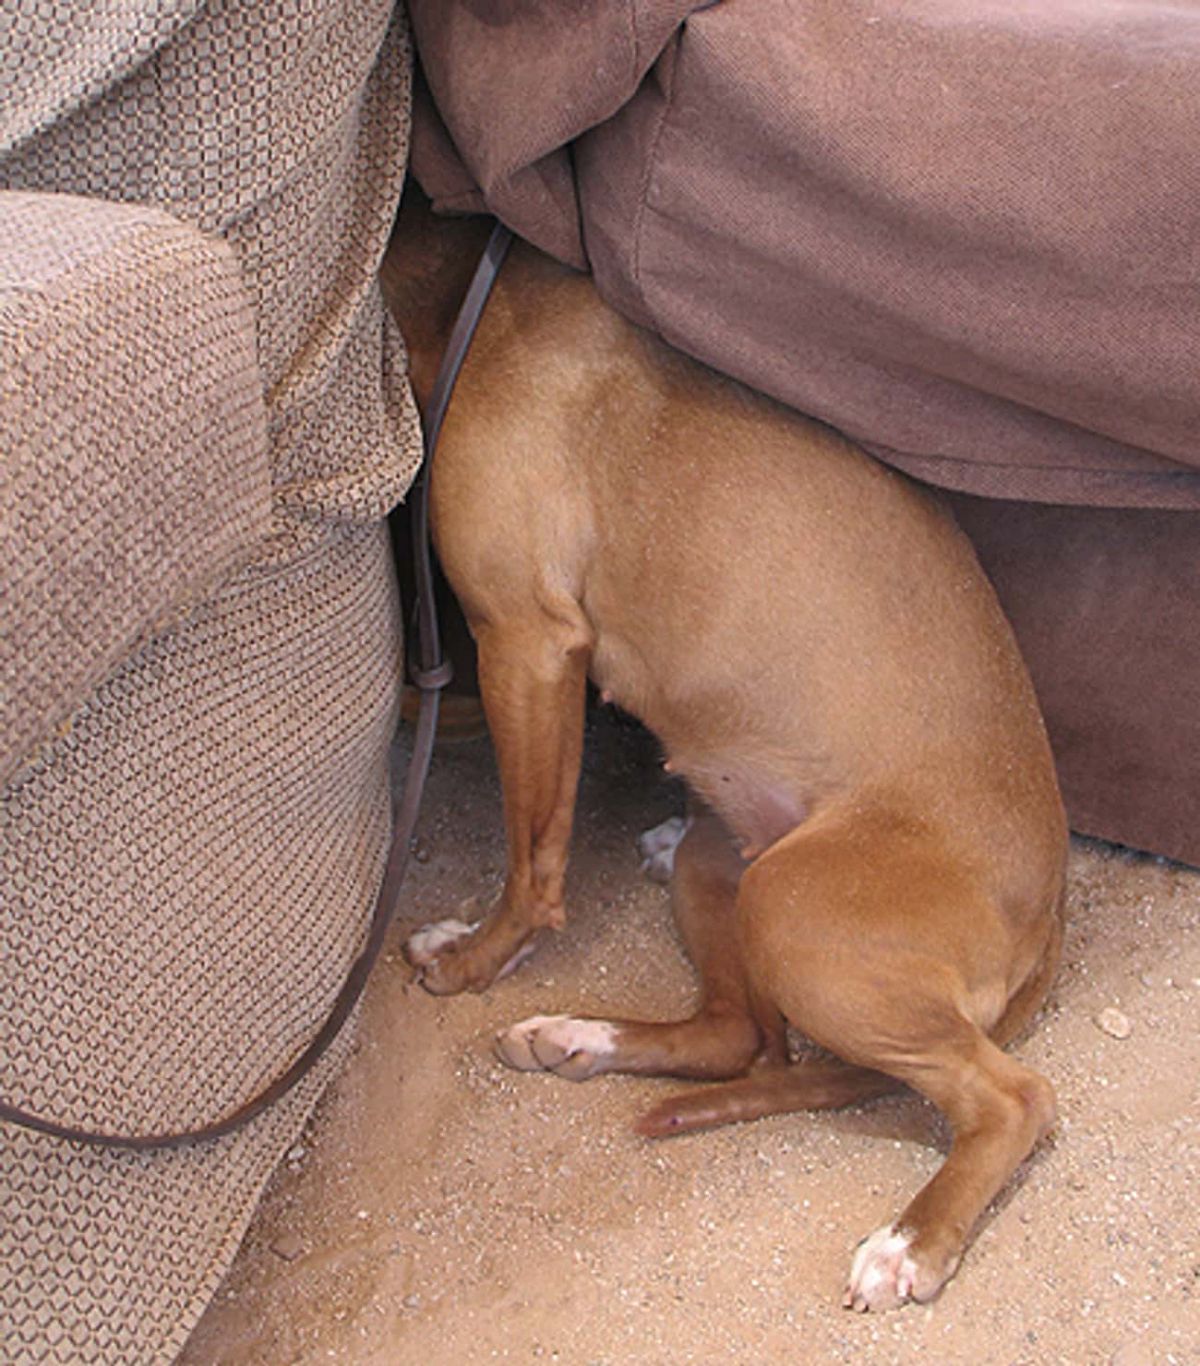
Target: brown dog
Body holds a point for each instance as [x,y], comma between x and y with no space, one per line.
[879,858]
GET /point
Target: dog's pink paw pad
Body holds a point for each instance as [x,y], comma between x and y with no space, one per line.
[557,1043]
[883,1273]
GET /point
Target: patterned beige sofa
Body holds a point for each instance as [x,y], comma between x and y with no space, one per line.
[203,424]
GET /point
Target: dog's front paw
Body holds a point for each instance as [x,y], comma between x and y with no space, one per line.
[887,1271]
[437,953]
[423,946]
[571,1048]
[451,956]
[657,847]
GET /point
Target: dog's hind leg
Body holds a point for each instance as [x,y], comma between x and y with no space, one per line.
[998,1110]
[727,1032]
[886,950]
[774,1089]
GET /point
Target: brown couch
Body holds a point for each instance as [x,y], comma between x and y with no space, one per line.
[966,241]
[205,422]
[963,235]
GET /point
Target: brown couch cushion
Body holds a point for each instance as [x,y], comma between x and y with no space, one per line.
[1106,605]
[962,236]
[135,471]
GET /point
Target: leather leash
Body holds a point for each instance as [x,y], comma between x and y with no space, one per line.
[430,674]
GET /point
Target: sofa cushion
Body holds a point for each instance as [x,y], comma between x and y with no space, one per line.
[283,130]
[965,238]
[135,472]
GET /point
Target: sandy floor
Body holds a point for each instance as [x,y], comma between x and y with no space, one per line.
[444,1210]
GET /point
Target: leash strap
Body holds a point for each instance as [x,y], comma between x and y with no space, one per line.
[430,675]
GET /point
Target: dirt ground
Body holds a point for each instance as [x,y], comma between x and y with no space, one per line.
[442,1209]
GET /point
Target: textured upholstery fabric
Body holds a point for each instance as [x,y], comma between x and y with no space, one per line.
[962,233]
[250,747]
[138,1244]
[134,479]
[187,863]
[275,127]
[255,780]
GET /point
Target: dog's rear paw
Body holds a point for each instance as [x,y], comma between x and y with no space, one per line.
[886,1272]
[882,1273]
[657,847]
[568,1047]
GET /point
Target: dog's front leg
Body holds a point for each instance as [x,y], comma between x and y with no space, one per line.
[533,685]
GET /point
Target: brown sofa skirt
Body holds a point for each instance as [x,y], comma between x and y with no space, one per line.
[1106,605]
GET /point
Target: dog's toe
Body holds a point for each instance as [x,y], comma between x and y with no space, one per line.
[570,1048]
[883,1273]
[514,1047]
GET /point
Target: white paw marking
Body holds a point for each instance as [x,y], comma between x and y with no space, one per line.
[657,847]
[424,945]
[882,1273]
[597,1037]
[545,1043]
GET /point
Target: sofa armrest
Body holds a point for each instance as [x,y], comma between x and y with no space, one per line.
[133,448]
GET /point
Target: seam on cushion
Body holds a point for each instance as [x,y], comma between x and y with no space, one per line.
[643,192]
[1040,467]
